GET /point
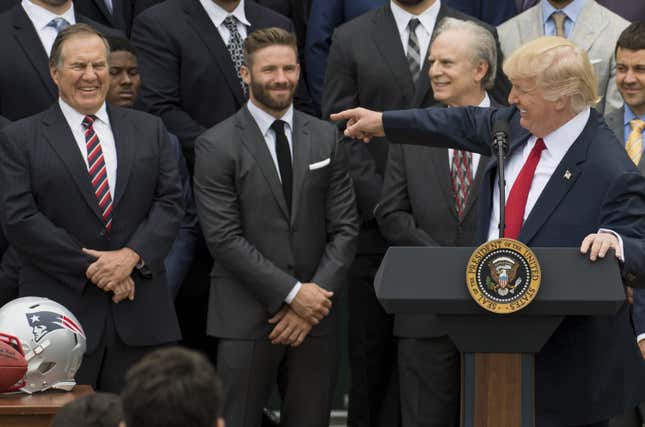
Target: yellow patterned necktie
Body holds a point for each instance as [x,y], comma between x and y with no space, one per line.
[634,144]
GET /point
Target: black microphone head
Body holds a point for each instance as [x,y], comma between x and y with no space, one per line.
[501,129]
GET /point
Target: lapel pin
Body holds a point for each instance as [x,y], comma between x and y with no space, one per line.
[567,175]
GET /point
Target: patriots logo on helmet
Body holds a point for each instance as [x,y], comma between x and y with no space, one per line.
[44,322]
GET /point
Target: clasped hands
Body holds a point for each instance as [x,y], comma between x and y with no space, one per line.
[294,321]
[111,272]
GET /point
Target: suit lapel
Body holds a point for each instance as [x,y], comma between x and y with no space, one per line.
[203,26]
[388,43]
[301,155]
[563,178]
[27,38]
[439,159]
[615,123]
[59,136]
[124,141]
[531,24]
[589,26]
[255,144]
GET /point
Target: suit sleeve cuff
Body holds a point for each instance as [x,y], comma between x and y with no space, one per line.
[292,294]
[621,252]
[640,337]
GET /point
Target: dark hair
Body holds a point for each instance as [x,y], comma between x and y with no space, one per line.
[171,387]
[118,44]
[632,38]
[266,37]
[92,410]
[56,57]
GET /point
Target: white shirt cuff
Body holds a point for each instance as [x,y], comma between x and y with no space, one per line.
[621,252]
[293,293]
[640,337]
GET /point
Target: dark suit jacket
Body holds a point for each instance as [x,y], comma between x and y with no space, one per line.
[417,208]
[367,67]
[591,368]
[3,240]
[188,78]
[96,10]
[260,249]
[25,85]
[51,213]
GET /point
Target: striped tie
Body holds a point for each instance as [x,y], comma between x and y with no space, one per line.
[462,178]
[97,170]
[634,146]
[414,53]
[235,48]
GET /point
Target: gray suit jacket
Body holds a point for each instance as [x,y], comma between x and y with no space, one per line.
[615,121]
[596,30]
[260,248]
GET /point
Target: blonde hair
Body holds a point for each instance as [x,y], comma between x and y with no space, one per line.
[560,68]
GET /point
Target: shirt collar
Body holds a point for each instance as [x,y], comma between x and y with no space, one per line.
[74,118]
[218,14]
[630,115]
[40,16]
[427,18]
[572,10]
[485,102]
[560,140]
[264,120]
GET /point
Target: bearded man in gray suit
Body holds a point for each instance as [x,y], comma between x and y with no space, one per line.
[283,234]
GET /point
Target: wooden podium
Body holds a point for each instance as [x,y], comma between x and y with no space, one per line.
[38,409]
[497,362]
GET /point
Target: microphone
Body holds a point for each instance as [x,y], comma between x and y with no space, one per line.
[499,149]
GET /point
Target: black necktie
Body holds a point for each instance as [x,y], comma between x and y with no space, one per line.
[284,160]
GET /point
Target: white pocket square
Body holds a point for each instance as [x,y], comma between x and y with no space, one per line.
[318,165]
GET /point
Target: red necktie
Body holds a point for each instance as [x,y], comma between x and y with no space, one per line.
[97,170]
[516,203]
[462,178]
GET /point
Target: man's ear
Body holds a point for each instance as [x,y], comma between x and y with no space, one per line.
[220,422]
[53,72]
[480,71]
[245,73]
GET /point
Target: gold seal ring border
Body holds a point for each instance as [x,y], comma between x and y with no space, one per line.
[473,267]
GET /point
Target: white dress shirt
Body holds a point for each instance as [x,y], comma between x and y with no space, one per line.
[217,16]
[40,17]
[264,121]
[103,130]
[427,20]
[476,156]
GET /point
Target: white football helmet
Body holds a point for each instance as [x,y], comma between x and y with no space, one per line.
[52,339]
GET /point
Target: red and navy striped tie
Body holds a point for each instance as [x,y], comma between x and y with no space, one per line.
[97,170]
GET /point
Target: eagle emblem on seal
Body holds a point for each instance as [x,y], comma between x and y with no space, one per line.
[503,276]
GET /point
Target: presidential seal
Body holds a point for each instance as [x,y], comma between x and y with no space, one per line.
[503,276]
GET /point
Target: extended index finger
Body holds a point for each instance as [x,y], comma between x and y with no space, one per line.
[343,115]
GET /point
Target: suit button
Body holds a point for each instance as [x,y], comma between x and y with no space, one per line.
[289,267]
[102,233]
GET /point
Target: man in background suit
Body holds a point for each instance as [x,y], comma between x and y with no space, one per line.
[110,13]
[429,198]
[592,27]
[374,62]
[27,32]
[92,204]
[568,181]
[283,234]
[125,83]
[628,123]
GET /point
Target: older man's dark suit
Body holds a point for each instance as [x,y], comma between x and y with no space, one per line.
[590,369]
[261,248]
[97,10]
[367,67]
[51,213]
[26,87]
[417,208]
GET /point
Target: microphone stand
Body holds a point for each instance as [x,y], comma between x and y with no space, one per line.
[502,189]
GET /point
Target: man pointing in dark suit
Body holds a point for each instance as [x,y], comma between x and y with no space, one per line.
[568,183]
[278,212]
[92,204]
[431,206]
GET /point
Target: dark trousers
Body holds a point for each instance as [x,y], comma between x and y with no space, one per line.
[374,391]
[306,377]
[106,367]
[429,376]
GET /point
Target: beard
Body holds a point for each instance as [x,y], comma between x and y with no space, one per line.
[263,95]
[410,2]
